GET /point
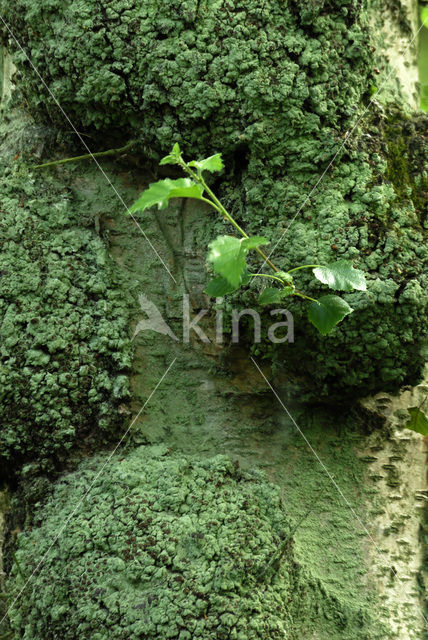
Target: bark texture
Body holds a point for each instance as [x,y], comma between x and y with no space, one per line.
[215,76]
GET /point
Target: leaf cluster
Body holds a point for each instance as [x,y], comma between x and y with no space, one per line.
[228,254]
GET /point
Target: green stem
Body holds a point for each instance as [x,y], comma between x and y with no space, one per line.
[214,198]
[214,206]
[266,275]
[88,156]
[222,209]
[198,177]
[234,223]
[302,295]
[305,266]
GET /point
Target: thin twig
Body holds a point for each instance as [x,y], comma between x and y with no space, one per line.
[88,156]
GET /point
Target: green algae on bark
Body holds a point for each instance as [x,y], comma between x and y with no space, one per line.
[407,158]
[214,73]
[65,353]
[276,90]
[163,547]
[166,546]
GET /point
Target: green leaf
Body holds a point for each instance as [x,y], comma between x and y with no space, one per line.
[227,255]
[418,421]
[173,157]
[245,277]
[424,16]
[341,276]
[161,192]
[254,241]
[270,295]
[327,312]
[219,287]
[273,295]
[213,163]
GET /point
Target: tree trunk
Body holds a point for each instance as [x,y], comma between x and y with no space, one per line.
[323,417]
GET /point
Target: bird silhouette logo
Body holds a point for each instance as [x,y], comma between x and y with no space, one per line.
[154,321]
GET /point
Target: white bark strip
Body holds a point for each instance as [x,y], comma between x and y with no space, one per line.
[397,471]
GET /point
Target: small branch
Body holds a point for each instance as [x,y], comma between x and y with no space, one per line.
[214,206]
[305,266]
[231,220]
[266,275]
[266,259]
[88,156]
[302,295]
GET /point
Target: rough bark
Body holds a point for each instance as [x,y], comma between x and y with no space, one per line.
[360,549]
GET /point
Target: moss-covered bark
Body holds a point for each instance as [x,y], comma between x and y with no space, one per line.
[65,354]
[276,88]
[169,547]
